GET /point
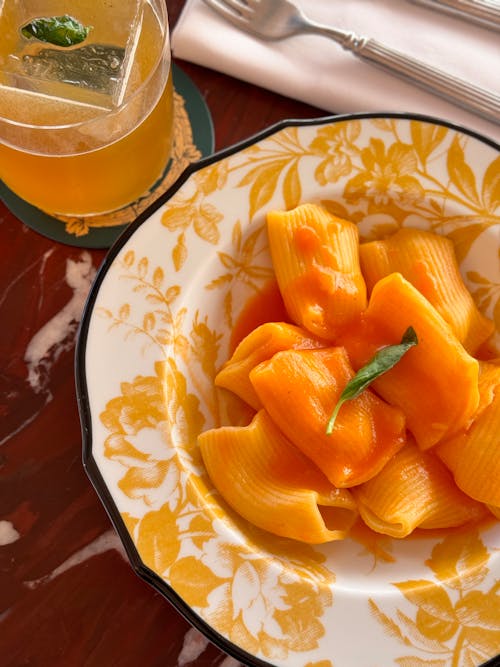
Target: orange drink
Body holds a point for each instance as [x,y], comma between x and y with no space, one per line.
[85,128]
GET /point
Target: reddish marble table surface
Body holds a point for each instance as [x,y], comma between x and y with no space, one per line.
[68,596]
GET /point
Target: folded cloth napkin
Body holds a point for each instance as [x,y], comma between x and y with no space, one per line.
[318,71]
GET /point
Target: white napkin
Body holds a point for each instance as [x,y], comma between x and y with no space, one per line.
[318,71]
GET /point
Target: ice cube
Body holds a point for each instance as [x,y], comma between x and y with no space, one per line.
[93,72]
[94,66]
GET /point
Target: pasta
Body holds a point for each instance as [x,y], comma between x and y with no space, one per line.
[434,403]
[428,262]
[414,490]
[261,344]
[299,389]
[473,454]
[316,261]
[414,445]
[271,483]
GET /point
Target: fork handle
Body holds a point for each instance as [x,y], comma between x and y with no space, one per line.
[466,95]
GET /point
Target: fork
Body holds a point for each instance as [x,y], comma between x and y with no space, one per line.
[485,13]
[279,19]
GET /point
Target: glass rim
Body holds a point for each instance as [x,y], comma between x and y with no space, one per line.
[107,112]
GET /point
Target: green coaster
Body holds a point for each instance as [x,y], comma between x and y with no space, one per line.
[193,139]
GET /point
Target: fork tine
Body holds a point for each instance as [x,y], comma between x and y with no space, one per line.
[240,6]
[231,10]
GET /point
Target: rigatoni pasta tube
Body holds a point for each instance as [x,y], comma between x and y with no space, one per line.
[316,262]
[269,482]
[414,490]
[436,382]
[473,455]
[429,263]
[299,389]
[260,344]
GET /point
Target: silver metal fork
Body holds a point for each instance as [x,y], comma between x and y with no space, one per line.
[279,19]
[485,13]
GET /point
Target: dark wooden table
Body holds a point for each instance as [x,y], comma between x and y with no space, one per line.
[68,596]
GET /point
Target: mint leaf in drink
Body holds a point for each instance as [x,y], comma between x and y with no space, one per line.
[382,361]
[59,30]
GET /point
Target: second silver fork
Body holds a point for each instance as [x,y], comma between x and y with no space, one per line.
[485,13]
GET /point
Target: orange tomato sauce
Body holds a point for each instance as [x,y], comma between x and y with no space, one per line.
[266,306]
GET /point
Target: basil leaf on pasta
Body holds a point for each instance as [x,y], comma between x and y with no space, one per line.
[382,361]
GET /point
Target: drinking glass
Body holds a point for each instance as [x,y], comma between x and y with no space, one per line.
[85,129]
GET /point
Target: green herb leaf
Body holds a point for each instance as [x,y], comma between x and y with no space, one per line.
[382,361]
[58,30]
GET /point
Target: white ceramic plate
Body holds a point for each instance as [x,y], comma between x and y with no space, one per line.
[155,330]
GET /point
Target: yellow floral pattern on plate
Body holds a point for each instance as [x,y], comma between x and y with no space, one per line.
[159,332]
